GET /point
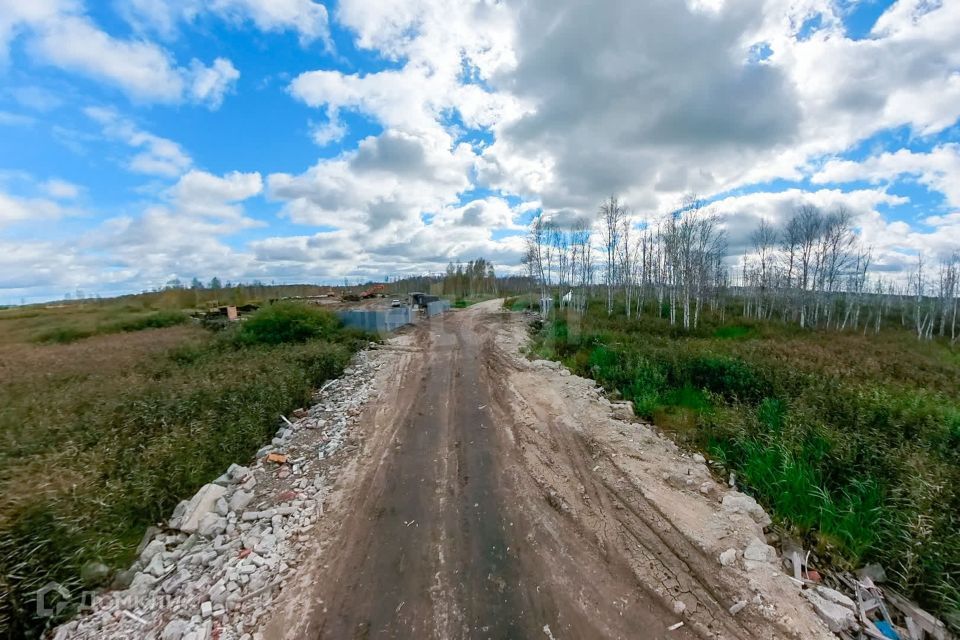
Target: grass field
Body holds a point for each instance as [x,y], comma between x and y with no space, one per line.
[68,323]
[852,442]
[102,436]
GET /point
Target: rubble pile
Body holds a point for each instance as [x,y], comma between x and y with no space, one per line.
[854,605]
[215,568]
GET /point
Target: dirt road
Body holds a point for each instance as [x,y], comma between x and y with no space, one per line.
[489,502]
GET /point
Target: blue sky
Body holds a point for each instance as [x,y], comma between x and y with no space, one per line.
[292,140]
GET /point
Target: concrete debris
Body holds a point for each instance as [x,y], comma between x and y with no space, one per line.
[741,503]
[239,500]
[837,617]
[759,551]
[622,410]
[871,612]
[546,364]
[215,570]
[200,505]
[728,558]
[212,525]
[739,606]
[156,546]
[177,517]
[835,597]
[176,629]
[873,571]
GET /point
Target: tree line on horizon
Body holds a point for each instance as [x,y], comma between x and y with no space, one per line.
[814,271]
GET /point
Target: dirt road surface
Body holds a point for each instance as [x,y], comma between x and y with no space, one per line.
[493,498]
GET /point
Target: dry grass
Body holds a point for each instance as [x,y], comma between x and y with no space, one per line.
[101,437]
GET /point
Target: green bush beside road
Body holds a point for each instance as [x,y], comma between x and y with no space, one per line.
[852,442]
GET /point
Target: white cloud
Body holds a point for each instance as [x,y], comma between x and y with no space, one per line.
[28,267]
[741,214]
[15,119]
[61,189]
[893,243]
[142,69]
[36,98]
[486,213]
[182,236]
[307,18]
[204,194]
[16,209]
[209,84]
[383,186]
[668,98]
[446,48]
[330,131]
[59,33]
[16,16]
[573,101]
[938,170]
[157,156]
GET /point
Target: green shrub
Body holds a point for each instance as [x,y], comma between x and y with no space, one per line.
[733,332]
[645,404]
[63,335]
[855,449]
[157,320]
[287,322]
[731,377]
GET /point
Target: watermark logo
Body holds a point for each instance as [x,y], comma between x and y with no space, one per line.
[52,599]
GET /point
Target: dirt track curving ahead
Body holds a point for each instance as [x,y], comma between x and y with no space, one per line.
[493,499]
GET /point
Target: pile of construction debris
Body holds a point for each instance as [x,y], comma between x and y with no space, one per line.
[214,569]
[855,606]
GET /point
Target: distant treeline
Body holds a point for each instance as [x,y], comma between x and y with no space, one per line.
[813,272]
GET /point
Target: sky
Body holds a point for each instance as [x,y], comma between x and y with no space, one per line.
[147,141]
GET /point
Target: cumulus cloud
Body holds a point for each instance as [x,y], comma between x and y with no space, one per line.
[156,156]
[209,85]
[649,100]
[61,189]
[383,186]
[16,209]
[59,33]
[307,18]
[555,105]
[938,170]
[181,236]
[142,69]
[659,98]
[742,214]
[203,194]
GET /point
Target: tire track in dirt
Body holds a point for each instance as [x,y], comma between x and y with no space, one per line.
[482,508]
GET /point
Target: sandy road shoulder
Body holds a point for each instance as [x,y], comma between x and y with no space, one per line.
[693,541]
